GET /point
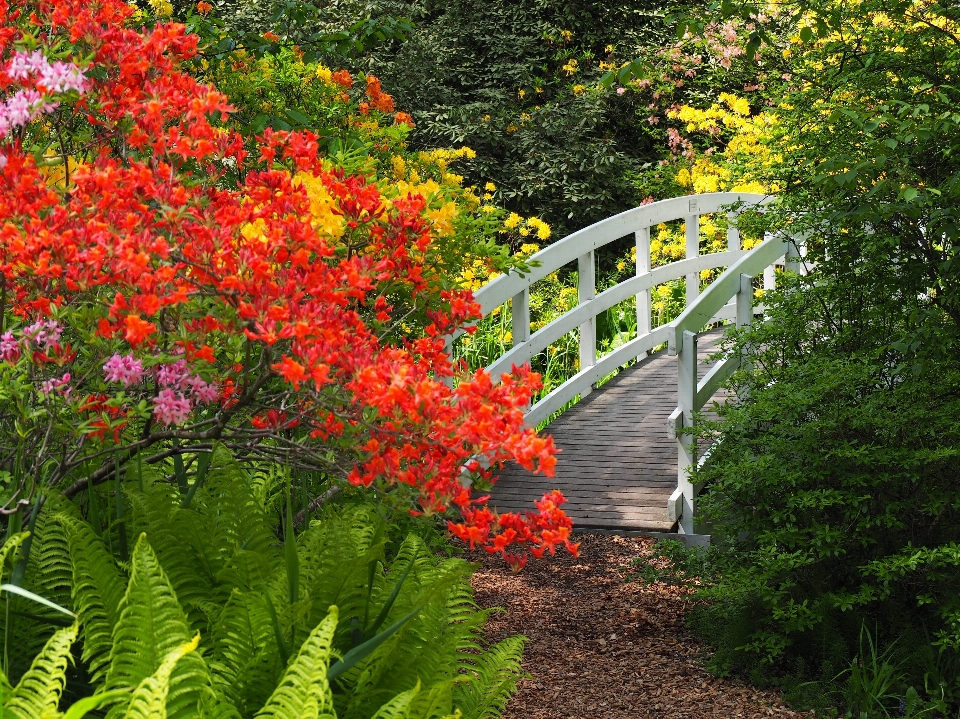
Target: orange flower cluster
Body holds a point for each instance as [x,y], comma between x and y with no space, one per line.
[343,79]
[155,244]
[402,118]
[379,100]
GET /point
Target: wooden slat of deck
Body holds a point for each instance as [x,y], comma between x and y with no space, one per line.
[617,467]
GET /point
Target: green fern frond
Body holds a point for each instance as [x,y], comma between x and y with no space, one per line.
[238,517]
[48,574]
[49,569]
[9,546]
[239,636]
[303,692]
[435,703]
[399,706]
[214,705]
[495,675]
[149,700]
[38,693]
[152,624]
[181,542]
[97,591]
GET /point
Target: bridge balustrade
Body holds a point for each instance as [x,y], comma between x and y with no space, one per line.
[728,298]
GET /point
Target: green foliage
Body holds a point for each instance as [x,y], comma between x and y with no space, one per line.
[515,81]
[38,692]
[832,490]
[204,620]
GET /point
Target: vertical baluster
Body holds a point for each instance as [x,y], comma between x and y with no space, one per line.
[643,267]
[693,249]
[744,299]
[586,289]
[792,258]
[745,309]
[520,314]
[733,232]
[770,273]
[448,350]
[686,446]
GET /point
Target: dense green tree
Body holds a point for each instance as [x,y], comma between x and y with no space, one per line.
[835,479]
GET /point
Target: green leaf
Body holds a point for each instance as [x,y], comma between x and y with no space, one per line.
[80,709]
[13,589]
[910,193]
[152,624]
[149,700]
[304,690]
[97,591]
[361,652]
[299,118]
[38,693]
[806,34]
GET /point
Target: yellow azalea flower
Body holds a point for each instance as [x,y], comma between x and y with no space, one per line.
[579,89]
[567,35]
[442,218]
[490,187]
[322,206]
[513,219]
[325,74]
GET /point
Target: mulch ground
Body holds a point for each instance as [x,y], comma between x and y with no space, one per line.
[602,648]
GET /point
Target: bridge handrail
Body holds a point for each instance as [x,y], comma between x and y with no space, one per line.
[680,335]
[581,246]
[498,291]
[735,282]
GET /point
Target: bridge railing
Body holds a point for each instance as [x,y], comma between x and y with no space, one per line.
[728,297]
[581,247]
[736,283]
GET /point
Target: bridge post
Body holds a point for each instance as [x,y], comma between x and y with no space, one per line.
[520,316]
[745,301]
[693,249]
[686,443]
[643,267]
[733,231]
[770,273]
[586,290]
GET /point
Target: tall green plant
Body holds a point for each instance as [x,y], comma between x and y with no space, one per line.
[205,619]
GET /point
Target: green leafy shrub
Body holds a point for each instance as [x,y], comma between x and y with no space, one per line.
[214,616]
[832,491]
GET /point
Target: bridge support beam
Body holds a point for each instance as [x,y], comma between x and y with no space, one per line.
[586,291]
[692,226]
[686,443]
[643,267]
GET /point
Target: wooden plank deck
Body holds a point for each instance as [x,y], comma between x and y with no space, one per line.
[617,467]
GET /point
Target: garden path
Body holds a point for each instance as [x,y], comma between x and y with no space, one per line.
[603,648]
[617,465]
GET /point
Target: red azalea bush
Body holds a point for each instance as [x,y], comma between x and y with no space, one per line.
[153,304]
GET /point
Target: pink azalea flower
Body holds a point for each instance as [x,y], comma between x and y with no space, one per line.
[124,369]
[44,334]
[9,348]
[170,407]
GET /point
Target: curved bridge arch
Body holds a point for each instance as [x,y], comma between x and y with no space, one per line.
[728,297]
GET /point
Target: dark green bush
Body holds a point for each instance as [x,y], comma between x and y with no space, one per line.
[833,493]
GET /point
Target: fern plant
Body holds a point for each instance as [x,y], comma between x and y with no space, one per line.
[221,611]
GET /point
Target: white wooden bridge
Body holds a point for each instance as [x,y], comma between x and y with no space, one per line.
[623,464]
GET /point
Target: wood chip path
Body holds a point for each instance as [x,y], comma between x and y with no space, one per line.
[603,649]
[617,466]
